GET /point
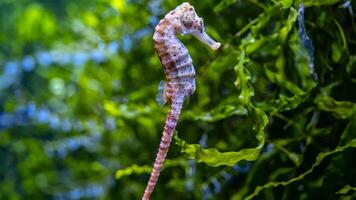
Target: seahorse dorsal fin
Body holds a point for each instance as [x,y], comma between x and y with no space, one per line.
[161,97]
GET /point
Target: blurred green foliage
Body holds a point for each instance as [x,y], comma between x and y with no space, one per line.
[273,117]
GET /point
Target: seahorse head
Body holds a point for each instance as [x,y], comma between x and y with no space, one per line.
[188,22]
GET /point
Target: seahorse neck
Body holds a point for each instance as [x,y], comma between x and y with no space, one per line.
[165,32]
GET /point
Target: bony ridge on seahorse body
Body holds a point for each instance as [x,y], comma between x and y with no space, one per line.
[179,70]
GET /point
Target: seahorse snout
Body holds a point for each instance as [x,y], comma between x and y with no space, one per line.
[206,39]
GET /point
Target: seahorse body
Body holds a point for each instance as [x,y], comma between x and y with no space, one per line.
[179,70]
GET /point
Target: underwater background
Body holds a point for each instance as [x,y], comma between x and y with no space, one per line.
[273,116]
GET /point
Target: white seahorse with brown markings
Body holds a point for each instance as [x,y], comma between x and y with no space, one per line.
[179,70]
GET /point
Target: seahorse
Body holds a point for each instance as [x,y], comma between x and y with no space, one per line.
[179,71]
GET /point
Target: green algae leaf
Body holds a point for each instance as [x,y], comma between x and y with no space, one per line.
[346,189]
[308,3]
[294,157]
[133,169]
[214,157]
[349,132]
[340,109]
[242,82]
[145,169]
[284,3]
[337,51]
[351,68]
[319,159]
[292,17]
[283,103]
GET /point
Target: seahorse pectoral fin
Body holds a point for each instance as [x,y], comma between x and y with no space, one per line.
[161,97]
[206,39]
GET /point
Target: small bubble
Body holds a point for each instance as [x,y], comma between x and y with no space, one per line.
[11,68]
[28,63]
[44,58]
[57,86]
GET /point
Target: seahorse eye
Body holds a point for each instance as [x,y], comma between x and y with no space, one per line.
[187,20]
[187,23]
